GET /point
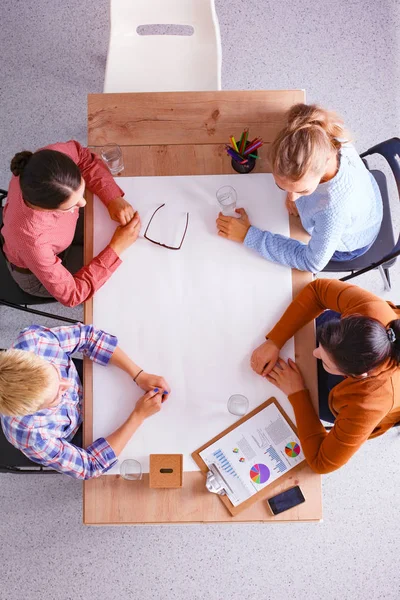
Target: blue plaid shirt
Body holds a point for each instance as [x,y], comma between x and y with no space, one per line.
[45,436]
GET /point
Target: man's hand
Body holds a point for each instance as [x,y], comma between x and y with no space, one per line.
[120,210]
[149,382]
[234,229]
[291,204]
[287,377]
[264,358]
[149,404]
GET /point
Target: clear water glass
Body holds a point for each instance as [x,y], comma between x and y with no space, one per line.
[227,199]
[238,405]
[112,156]
[131,469]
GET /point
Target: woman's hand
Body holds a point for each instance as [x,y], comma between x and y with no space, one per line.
[264,358]
[149,382]
[148,405]
[287,377]
[234,229]
[291,204]
[121,211]
[125,235]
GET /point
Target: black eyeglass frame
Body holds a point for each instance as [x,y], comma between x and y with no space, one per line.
[165,245]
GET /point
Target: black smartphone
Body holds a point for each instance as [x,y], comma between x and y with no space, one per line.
[281,502]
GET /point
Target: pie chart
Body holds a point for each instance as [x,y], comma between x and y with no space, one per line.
[292,449]
[259,473]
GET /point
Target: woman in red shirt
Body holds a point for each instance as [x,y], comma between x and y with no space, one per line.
[42,231]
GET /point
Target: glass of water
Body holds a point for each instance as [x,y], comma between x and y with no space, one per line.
[131,469]
[227,199]
[238,405]
[112,156]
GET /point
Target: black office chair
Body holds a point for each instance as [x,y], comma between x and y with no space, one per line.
[13,460]
[383,253]
[11,294]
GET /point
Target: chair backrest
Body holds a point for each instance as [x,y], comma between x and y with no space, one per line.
[163,63]
[3,196]
[389,149]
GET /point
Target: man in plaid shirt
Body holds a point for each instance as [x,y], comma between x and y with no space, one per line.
[41,397]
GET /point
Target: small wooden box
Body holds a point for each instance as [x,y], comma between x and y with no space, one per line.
[166,471]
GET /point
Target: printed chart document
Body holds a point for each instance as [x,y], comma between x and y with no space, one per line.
[255,454]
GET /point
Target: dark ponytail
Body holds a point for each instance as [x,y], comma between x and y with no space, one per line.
[359,344]
[47,177]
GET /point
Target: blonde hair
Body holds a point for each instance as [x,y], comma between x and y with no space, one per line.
[306,141]
[24,377]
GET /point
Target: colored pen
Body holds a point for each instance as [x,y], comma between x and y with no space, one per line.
[241,143]
[246,134]
[252,148]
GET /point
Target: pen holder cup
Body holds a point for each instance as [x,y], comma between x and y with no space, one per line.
[248,167]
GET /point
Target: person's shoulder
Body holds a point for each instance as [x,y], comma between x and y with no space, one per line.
[342,188]
[367,396]
[351,165]
[348,149]
[19,429]
[32,337]
[70,148]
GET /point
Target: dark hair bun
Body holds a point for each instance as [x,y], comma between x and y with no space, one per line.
[19,162]
[395,345]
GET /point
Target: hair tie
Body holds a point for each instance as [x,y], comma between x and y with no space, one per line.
[391,335]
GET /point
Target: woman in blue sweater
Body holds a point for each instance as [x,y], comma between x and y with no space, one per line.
[327,185]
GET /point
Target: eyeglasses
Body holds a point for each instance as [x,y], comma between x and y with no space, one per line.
[165,245]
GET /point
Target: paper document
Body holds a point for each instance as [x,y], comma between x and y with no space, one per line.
[255,454]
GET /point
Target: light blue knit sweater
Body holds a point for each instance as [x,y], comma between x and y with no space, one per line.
[343,214]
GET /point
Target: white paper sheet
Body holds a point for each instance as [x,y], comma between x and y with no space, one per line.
[193,315]
[255,454]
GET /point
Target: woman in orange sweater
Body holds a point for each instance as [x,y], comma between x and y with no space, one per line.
[360,346]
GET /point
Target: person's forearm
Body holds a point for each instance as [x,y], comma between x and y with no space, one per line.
[305,307]
[122,361]
[279,249]
[119,438]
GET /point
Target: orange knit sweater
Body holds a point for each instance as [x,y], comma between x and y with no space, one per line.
[363,408]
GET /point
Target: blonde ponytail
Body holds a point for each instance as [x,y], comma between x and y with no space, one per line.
[306,142]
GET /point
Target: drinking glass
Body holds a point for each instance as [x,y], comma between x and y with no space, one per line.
[238,405]
[131,469]
[112,156]
[227,198]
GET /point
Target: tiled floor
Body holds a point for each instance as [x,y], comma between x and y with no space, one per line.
[345,54]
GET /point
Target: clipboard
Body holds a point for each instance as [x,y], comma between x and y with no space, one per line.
[266,491]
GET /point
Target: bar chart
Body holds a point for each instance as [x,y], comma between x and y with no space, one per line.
[279,465]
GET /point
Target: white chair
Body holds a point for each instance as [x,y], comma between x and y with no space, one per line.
[163,63]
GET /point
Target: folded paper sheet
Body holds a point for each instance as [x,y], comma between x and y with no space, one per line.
[193,316]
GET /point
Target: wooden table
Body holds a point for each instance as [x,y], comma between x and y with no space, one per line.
[184,133]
